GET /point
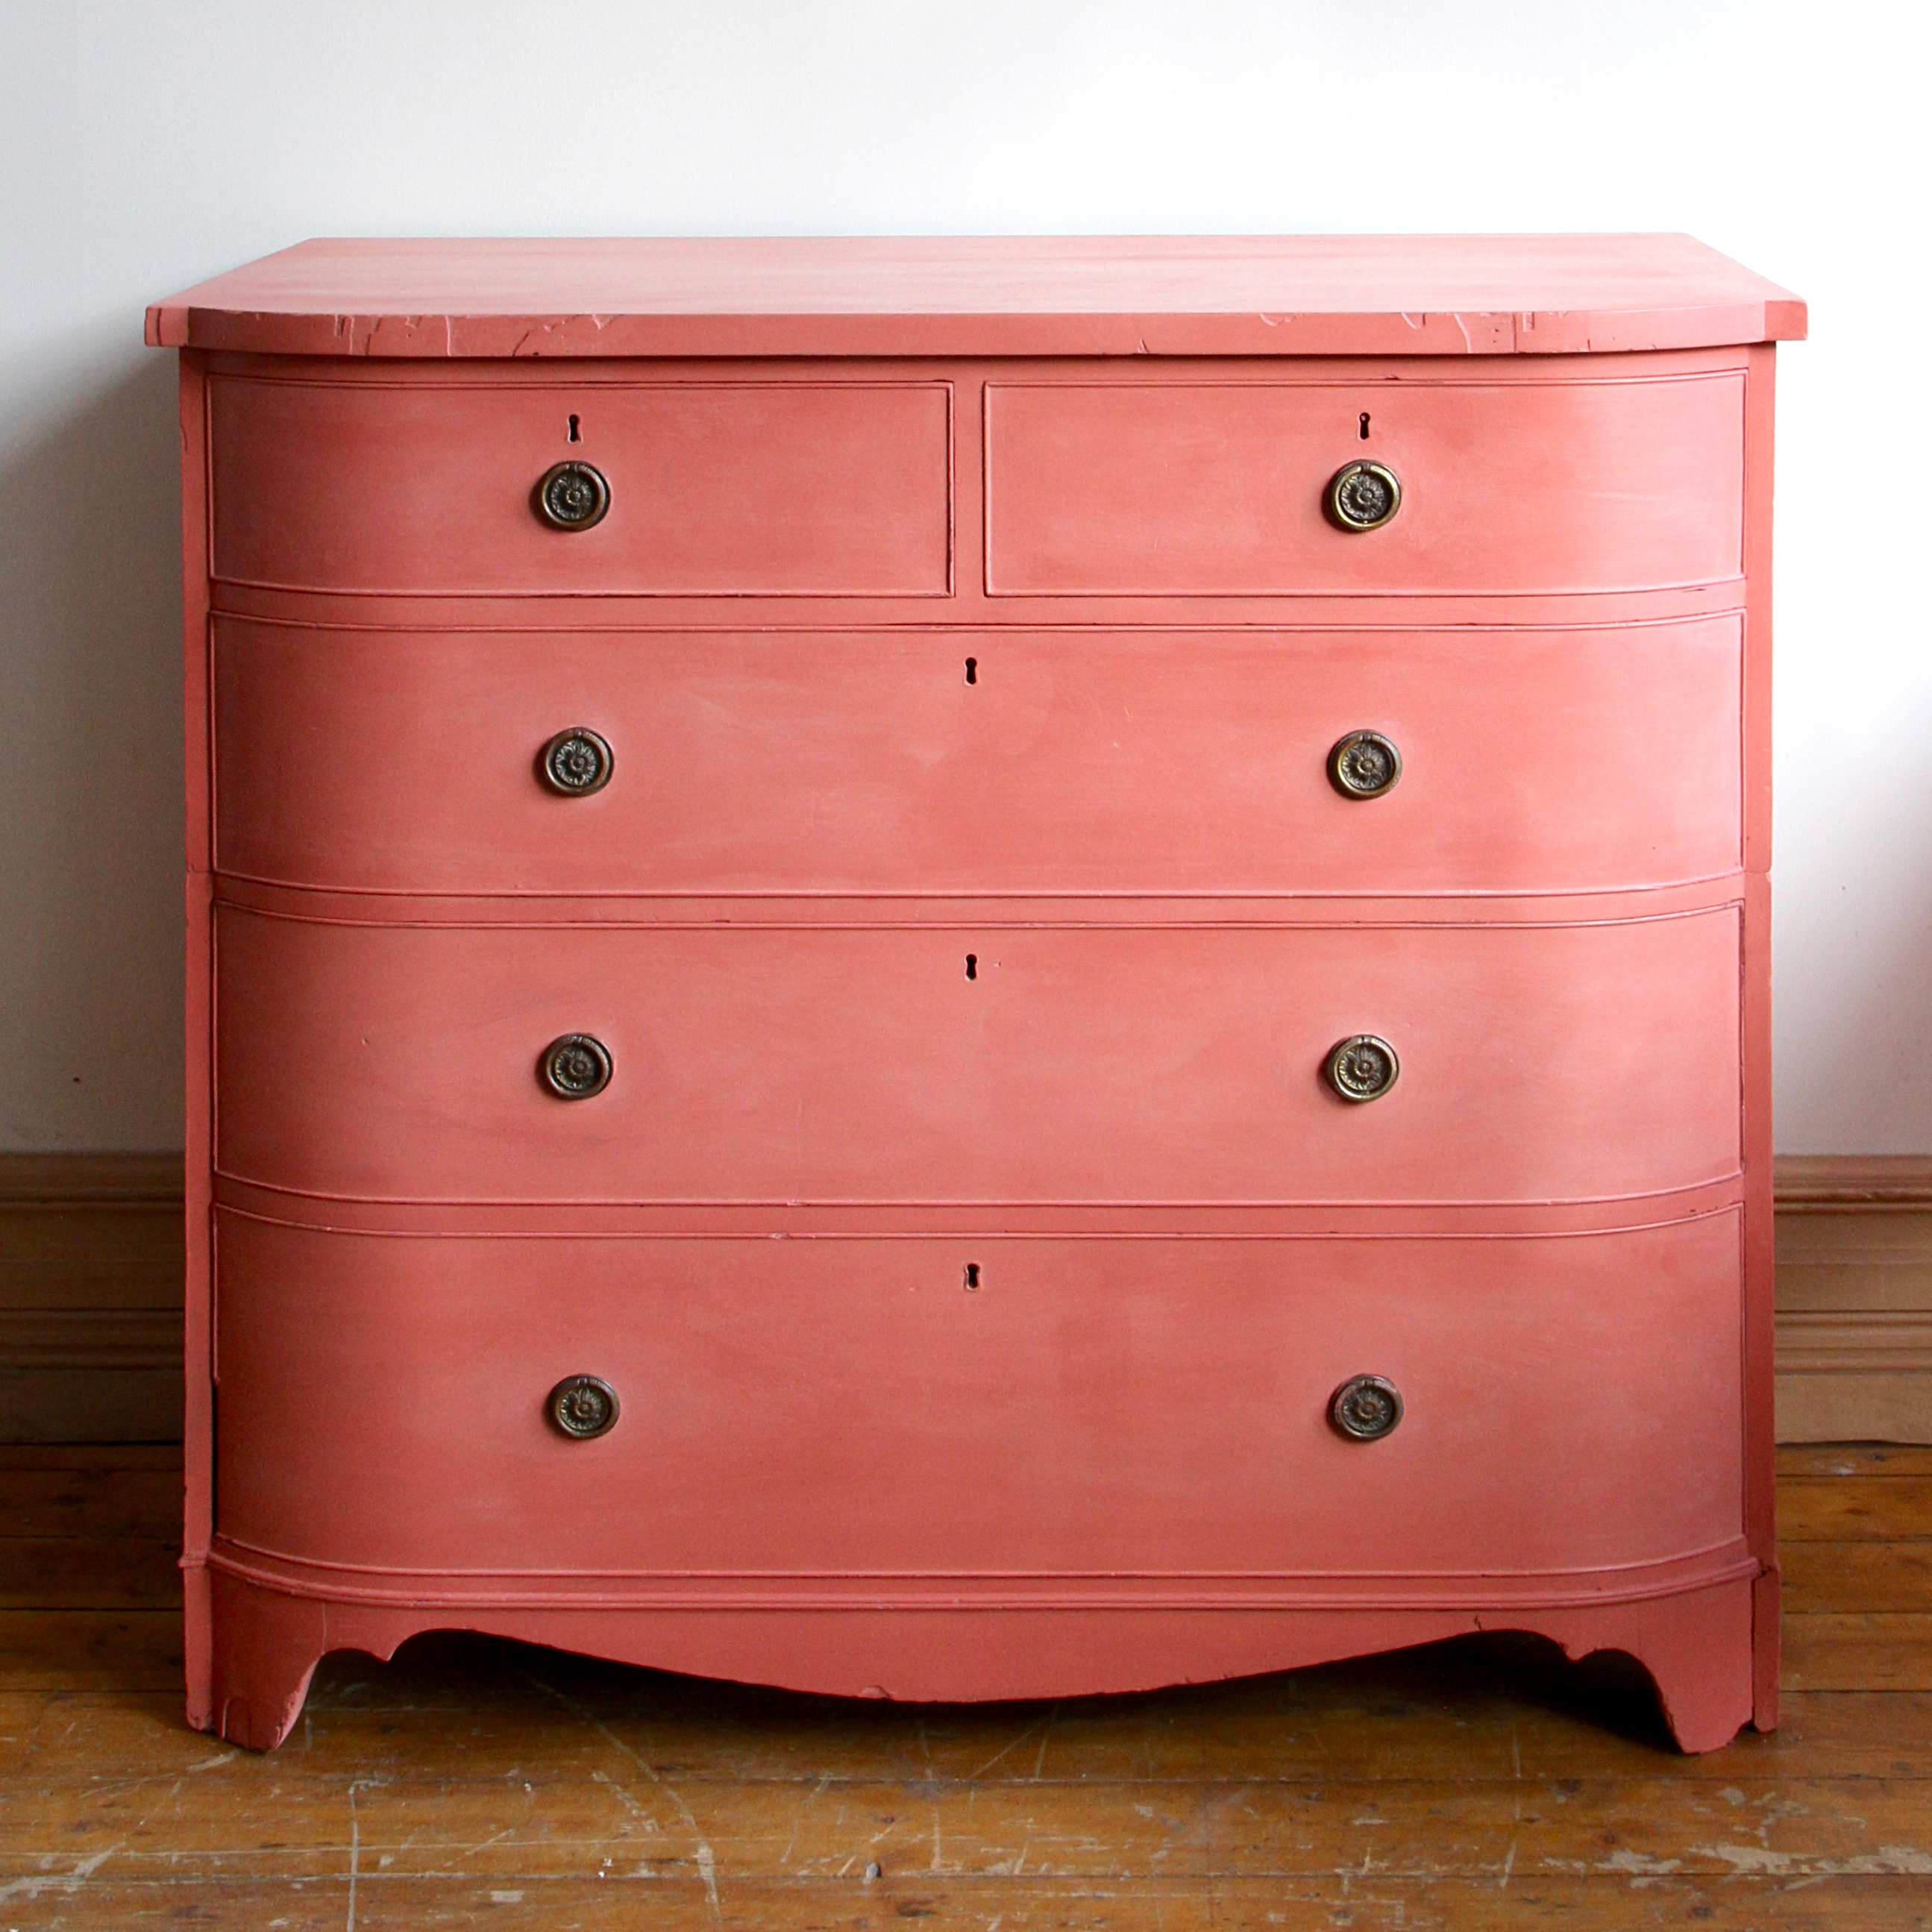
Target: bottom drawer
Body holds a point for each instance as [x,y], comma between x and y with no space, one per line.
[796,1412]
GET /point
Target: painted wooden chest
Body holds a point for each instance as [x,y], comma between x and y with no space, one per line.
[978,969]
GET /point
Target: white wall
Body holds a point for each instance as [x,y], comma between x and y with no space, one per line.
[146,146]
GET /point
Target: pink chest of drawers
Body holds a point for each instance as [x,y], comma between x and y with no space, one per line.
[979,970]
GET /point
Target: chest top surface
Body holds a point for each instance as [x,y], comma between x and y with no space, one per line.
[970,295]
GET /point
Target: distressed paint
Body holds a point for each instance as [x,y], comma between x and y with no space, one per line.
[967,1228]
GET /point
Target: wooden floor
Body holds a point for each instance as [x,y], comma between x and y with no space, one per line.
[1480,1784]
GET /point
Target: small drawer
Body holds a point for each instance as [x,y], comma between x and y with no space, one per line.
[1529,761]
[798,1416]
[1139,1064]
[816,487]
[1221,488]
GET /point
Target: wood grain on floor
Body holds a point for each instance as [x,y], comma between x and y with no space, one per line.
[1481,1784]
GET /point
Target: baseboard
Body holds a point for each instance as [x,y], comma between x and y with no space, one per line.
[91,1298]
[1854,1298]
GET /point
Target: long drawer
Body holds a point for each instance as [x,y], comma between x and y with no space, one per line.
[1147,485]
[1167,1064]
[1530,760]
[790,1413]
[823,486]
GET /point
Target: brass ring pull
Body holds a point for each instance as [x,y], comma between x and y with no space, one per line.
[1363,765]
[583,1406]
[1362,1067]
[571,496]
[1365,1407]
[575,1067]
[576,762]
[1363,496]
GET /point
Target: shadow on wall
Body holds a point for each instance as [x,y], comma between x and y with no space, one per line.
[91,772]
[1852,911]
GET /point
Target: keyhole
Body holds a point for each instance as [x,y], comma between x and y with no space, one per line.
[972,965]
[972,1275]
[1365,424]
[573,437]
[972,670]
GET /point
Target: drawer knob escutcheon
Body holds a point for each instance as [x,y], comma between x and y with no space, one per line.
[1362,1067]
[1365,1407]
[1363,496]
[575,1067]
[1364,765]
[572,497]
[582,1406]
[577,763]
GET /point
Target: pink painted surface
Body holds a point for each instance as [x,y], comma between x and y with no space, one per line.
[1760,1466]
[198,1033]
[844,762]
[1171,917]
[1695,1642]
[1143,1421]
[1425,295]
[1116,1063]
[823,485]
[1216,487]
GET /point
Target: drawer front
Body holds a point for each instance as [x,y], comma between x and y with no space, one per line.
[807,1410]
[807,487]
[998,1064]
[1217,488]
[1531,761]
